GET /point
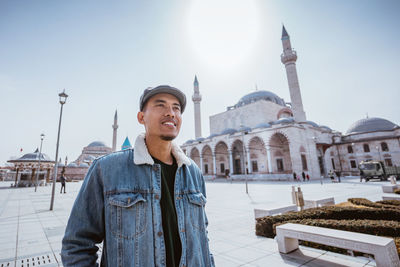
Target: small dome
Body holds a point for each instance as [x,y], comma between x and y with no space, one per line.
[189,141]
[84,164]
[211,136]
[96,143]
[244,129]
[262,125]
[228,131]
[371,125]
[325,128]
[200,139]
[72,164]
[260,95]
[284,120]
[312,123]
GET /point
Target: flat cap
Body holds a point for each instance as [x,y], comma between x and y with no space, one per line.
[166,89]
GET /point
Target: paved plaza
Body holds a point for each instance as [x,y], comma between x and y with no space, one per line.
[30,234]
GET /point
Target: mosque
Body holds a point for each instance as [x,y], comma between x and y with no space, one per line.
[263,137]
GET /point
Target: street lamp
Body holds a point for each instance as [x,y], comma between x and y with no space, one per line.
[244,158]
[40,154]
[379,153]
[63,98]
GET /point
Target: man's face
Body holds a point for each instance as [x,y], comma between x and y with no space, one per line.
[161,117]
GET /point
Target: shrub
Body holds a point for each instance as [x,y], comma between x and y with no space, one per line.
[397,191]
[392,202]
[368,203]
[264,226]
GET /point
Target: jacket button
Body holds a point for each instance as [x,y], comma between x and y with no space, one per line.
[183,230]
[159,233]
[157,197]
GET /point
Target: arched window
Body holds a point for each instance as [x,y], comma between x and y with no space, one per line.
[350,149]
[384,146]
[366,148]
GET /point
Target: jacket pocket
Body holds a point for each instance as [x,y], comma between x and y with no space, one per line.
[197,201]
[127,215]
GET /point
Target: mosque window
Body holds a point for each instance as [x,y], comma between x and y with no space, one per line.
[384,146]
[333,163]
[304,162]
[388,162]
[366,148]
[206,168]
[349,149]
[279,164]
[254,166]
[353,164]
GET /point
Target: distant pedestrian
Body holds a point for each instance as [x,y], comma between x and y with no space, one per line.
[63,179]
[331,175]
[308,177]
[294,176]
[304,176]
[338,175]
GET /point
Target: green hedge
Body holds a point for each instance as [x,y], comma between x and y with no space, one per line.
[392,202]
[368,203]
[265,225]
[397,191]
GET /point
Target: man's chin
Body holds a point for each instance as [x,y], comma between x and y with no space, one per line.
[167,137]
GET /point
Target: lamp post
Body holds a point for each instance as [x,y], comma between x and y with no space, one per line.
[379,153]
[40,154]
[244,159]
[63,98]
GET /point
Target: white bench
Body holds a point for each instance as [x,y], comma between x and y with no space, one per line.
[390,188]
[315,203]
[383,248]
[258,213]
[391,197]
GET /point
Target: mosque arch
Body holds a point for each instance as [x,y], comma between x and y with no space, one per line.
[238,158]
[258,155]
[279,145]
[221,158]
[208,164]
[195,156]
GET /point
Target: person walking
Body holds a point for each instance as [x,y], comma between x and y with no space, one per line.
[304,176]
[63,180]
[146,204]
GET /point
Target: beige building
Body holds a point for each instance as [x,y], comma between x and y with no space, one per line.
[271,139]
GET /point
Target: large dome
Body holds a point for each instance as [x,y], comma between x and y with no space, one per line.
[258,95]
[371,125]
[96,143]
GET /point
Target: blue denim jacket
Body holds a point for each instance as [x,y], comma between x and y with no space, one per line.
[119,204]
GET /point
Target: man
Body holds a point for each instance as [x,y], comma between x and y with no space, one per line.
[145,204]
[62,180]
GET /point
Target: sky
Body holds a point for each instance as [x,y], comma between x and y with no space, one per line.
[105,53]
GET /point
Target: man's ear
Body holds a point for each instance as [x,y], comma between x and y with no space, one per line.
[140,117]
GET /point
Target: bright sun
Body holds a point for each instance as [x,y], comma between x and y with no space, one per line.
[223,32]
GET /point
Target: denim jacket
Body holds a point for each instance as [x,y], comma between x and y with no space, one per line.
[119,205]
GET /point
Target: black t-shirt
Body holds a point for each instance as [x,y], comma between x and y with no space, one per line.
[173,247]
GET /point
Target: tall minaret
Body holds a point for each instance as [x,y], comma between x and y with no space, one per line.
[115,127]
[196,100]
[289,58]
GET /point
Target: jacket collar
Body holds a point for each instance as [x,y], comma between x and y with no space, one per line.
[142,156]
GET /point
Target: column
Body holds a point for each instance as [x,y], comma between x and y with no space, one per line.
[249,166]
[201,164]
[230,162]
[269,159]
[214,164]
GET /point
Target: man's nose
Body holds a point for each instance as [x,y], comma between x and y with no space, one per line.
[169,111]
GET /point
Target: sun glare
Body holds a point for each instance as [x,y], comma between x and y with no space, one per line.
[224,32]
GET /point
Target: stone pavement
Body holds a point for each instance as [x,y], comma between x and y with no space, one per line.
[30,234]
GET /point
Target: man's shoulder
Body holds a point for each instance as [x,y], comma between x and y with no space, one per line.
[115,157]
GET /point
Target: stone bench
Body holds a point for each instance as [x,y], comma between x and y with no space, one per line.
[390,188]
[383,248]
[258,213]
[315,203]
[391,197]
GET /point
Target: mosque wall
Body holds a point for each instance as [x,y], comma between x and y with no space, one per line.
[249,115]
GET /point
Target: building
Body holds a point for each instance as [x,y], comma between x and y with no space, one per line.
[268,138]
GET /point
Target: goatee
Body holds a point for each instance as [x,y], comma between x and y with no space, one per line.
[167,137]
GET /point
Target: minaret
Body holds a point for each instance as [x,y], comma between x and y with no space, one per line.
[115,127]
[289,58]
[197,116]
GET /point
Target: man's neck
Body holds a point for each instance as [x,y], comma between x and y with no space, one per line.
[159,149]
